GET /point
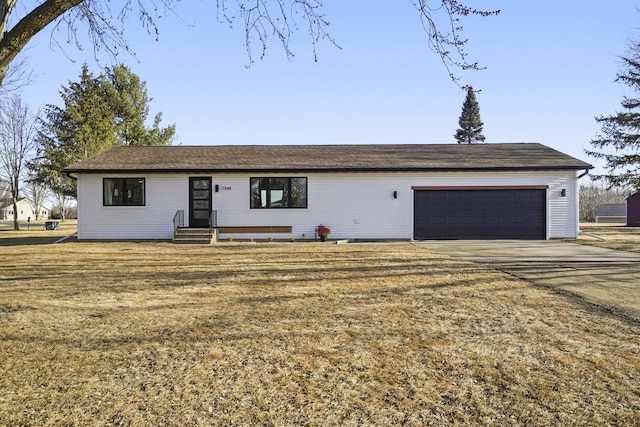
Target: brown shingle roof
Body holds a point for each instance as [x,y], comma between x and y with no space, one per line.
[329,158]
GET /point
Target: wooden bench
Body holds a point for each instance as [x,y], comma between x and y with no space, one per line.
[255,229]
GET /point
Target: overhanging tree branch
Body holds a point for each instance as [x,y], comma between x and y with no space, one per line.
[14,40]
[261,19]
[449,45]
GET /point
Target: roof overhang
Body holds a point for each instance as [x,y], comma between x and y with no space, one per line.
[308,170]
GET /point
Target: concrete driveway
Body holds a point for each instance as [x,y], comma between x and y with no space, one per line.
[604,277]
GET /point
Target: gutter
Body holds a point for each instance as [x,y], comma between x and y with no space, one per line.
[317,170]
[586,171]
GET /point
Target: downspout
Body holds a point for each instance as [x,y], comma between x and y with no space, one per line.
[578,231]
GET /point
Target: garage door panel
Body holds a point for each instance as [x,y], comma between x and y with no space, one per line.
[480,214]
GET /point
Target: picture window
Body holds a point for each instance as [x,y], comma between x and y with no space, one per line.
[123,192]
[278,193]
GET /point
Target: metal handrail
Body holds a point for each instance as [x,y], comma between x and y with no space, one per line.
[178,220]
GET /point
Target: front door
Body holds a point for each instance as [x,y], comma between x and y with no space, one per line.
[199,202]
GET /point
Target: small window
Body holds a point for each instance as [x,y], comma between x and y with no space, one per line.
[278,193]
[123,192]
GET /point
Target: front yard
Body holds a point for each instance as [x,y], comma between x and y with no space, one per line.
[33,233]
[616,236]
[299,334]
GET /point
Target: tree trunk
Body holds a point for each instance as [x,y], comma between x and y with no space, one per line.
[16,225]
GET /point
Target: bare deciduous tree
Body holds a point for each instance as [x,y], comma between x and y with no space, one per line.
[62,204]
[260,19]
[37,194]
[19,75]
[17,140]
[596,194]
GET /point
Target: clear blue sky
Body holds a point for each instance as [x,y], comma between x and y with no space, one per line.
[550,67]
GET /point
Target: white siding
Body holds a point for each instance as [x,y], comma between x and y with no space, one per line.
[353,205]
[164,195]
[25,211]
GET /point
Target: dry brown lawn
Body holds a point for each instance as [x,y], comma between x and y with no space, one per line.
[616,236]
[33,234]
[299,334]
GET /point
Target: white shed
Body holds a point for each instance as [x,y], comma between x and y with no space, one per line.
[611,213]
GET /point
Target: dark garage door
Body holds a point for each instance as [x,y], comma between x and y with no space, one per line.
[480,214]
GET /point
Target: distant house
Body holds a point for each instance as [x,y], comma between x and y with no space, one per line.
[26,210]
[412,192]
[633,210]
[612,213]
[4,189]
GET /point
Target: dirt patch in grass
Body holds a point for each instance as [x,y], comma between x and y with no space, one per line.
[299,334]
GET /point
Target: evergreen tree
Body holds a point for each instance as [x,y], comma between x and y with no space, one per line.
[82,128]
[99,113]
[619,143]
[129,101]
[470,131]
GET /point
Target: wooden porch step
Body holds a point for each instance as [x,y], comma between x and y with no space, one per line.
[194,236]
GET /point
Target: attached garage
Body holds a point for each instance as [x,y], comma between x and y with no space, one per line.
[480,213]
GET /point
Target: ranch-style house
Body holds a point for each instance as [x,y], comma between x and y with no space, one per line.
[410,192]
